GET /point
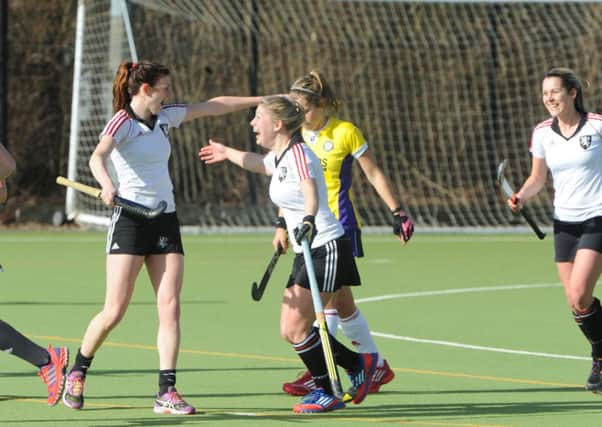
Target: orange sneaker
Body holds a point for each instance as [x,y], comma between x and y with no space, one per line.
[53,374]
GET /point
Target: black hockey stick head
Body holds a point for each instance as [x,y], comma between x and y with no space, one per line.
[258,290]
[140,210]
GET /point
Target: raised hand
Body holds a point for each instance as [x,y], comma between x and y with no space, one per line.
[213,153]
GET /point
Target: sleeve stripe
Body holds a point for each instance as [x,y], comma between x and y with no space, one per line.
[115,123]
[300,162]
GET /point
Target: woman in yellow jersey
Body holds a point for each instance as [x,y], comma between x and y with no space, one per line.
[338,144]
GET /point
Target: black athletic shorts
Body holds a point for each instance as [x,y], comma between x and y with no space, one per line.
[334,265]
[572,236]
[129,234]
[356,242]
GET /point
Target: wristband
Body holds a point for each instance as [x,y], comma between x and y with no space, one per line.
[280,222]
[397,210]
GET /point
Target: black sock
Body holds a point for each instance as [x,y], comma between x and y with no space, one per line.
[344,357]
[590,323]
[14,342]
[167,378]
[310,352]
[82,363]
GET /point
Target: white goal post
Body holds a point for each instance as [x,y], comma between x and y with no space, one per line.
[443,92]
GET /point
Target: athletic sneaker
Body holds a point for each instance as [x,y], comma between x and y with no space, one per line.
[53,374]
[73,397]
[172,403]
[382,375]
[362,378]
[303,385]
[594,382]
[318,401]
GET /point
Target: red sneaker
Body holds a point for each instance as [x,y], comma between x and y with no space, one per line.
[382,375]
[301,386]
[53,374]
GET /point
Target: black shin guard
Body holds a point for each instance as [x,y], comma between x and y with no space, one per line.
[14,342]
[590,323]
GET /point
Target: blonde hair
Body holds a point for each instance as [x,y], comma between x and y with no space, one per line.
[314,89]
[286,109]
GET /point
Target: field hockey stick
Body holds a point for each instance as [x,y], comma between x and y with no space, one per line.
[257,291]
[127,205]
[508,191]
[333,373]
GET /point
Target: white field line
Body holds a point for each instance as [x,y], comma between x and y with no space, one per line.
[468,346]
[457,291]
[478,347]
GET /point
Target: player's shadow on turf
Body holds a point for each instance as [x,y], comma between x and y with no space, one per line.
[481,391]
[99,303]
[467,409]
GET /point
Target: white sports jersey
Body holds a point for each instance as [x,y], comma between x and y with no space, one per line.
[296,164]
[576,166]
[141,155]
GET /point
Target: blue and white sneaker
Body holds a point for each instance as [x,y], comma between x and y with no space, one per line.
[318,401]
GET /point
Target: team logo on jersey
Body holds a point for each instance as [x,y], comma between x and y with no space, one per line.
[328,146]
[282,173]
[163,242]
[165,128]
[585,141]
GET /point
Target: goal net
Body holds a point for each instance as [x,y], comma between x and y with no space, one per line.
[443,92]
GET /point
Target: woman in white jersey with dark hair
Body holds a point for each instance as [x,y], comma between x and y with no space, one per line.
[297,187]
[339,145]
[569,144]
[136,140]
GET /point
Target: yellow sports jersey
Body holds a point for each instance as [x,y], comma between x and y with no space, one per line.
[337,145]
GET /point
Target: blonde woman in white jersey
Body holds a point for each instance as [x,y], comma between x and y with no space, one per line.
[569,144]
[136,140]
[297,187]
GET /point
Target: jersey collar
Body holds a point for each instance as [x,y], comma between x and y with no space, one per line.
[149,123]
[556,128]
[295,139]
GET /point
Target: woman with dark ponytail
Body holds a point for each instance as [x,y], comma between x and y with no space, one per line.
[136,140]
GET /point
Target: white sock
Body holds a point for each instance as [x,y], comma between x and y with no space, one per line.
[332,321]
[356,330]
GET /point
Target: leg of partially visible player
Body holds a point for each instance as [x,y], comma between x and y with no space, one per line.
[51,362]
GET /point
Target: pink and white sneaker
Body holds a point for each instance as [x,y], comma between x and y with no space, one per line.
[172,403]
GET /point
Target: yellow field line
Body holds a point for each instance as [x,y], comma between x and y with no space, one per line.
[294,359]
[334,417]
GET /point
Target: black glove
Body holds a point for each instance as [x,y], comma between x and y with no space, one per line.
[306,229]
[403,227]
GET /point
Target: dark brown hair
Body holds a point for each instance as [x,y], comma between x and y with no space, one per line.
[130,76]
[569,81]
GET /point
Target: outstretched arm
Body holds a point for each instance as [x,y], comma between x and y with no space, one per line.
[216,152]
[7,163]
[220,105]
[7,168]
